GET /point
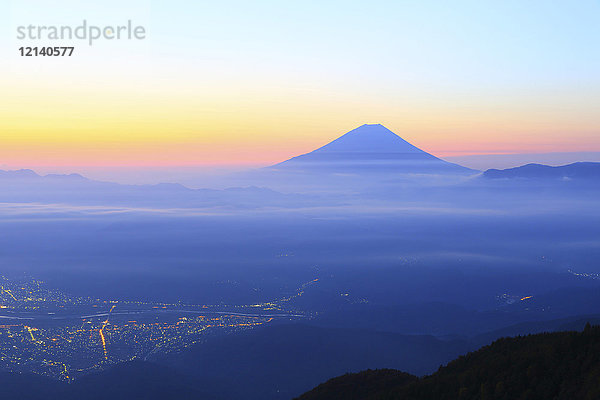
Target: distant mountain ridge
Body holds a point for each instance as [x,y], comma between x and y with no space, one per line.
[26,186]
[370,148]
[578,170]
[29,174]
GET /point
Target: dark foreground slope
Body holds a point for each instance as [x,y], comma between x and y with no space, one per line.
[369,384]
[563,365]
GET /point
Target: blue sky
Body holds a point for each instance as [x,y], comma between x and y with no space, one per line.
[215,81]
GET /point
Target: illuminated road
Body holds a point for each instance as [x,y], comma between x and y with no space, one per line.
[102,332]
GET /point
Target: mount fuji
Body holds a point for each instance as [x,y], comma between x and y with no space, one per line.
[370,148]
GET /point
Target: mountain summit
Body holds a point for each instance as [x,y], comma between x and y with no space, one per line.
[370,138]
[370,148]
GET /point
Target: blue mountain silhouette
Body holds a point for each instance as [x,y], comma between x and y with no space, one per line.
[370,148]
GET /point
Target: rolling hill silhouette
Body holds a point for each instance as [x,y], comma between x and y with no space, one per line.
[579,170]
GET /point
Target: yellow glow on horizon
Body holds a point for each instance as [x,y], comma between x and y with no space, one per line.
[137,126]
[244,85]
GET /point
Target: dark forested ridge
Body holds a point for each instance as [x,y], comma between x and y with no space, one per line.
[561,365]
[369,384]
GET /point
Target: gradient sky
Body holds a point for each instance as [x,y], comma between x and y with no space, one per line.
[255,82]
